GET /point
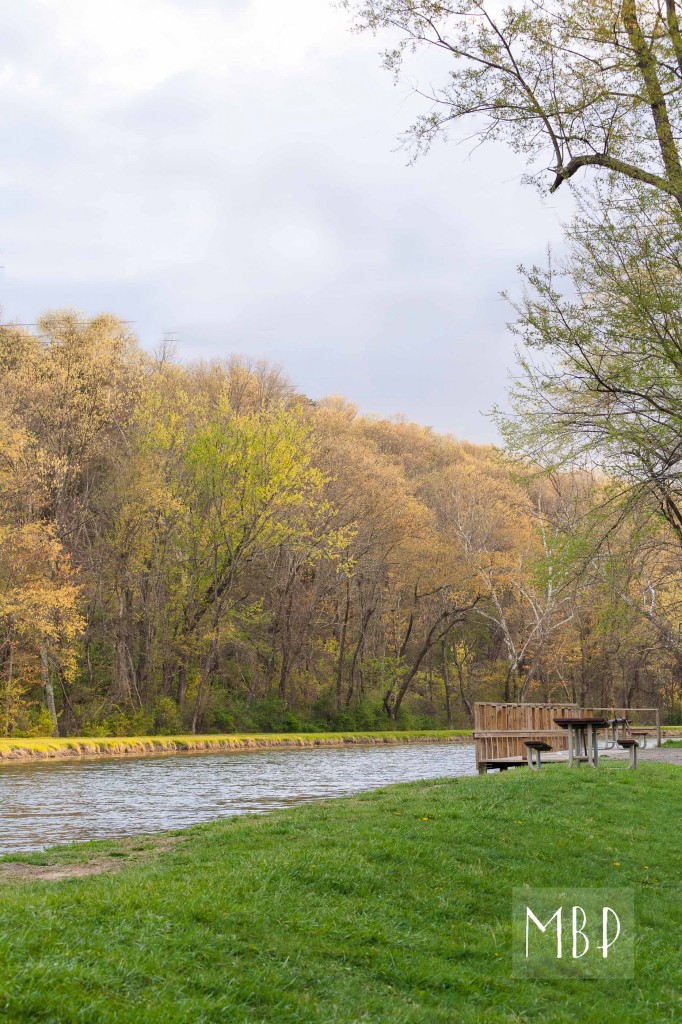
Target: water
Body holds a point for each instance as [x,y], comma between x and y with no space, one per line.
[43,803]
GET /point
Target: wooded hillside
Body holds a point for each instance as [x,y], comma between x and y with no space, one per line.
[201,547]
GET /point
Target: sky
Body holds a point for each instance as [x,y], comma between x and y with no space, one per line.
[225,173]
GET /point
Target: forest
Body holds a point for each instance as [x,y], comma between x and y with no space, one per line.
[199,547]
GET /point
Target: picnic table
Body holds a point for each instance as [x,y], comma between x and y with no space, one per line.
[582,733]
[641,735]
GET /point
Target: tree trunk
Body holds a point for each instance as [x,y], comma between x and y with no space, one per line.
[446,682]
[342,651]
[205,678]
[48,688]
[284,675]
[462,691]
[182,683]
[438,632]
[8,691]
[356,653]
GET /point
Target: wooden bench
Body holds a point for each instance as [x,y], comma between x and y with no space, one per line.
[633,746]
[534,751]
[641,735]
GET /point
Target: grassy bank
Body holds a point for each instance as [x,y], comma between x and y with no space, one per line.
[393,906]
[122,746]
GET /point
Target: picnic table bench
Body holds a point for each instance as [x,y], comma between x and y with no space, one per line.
[641,735]
[633,746]
[534,752]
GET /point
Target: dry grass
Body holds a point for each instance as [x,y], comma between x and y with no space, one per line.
[122,746]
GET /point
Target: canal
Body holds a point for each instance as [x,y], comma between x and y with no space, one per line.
[43,802]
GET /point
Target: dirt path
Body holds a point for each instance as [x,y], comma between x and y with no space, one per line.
[57,867]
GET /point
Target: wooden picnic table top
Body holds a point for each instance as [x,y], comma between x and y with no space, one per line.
[582,722]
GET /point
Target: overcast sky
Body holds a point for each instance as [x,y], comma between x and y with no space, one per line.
[225,171]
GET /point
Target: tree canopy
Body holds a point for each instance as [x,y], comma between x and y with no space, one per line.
[200,547]
[570,84]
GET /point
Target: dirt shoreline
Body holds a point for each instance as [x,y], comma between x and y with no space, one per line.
[16,751]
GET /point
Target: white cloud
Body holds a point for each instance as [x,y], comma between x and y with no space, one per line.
[228,170]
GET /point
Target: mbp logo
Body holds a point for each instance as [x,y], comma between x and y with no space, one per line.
[585,933]
[580,939]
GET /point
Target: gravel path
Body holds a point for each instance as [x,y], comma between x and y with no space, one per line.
[671,755]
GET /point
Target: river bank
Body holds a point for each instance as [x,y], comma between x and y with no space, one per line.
[387,906]
[40,748]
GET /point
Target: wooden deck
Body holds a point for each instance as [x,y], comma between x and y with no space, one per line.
[503,763]
[500,729]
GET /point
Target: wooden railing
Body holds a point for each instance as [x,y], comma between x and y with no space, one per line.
[500,729]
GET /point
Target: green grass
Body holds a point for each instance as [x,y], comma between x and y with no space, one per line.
[393,906]
[672,743]
[89,746]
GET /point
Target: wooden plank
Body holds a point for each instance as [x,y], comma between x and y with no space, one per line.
[506,760]
[552,707]
[485,734]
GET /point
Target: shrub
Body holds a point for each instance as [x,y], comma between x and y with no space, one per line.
[166,717]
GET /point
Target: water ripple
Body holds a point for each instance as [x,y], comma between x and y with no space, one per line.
[44,803]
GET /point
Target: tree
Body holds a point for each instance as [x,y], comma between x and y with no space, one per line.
[39,594]
[601,373]
[39,621]
[568,83]
[73,387]
[247,485]
[503,539]
[427,620]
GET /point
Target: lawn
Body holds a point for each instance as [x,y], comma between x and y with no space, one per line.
[393,906]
